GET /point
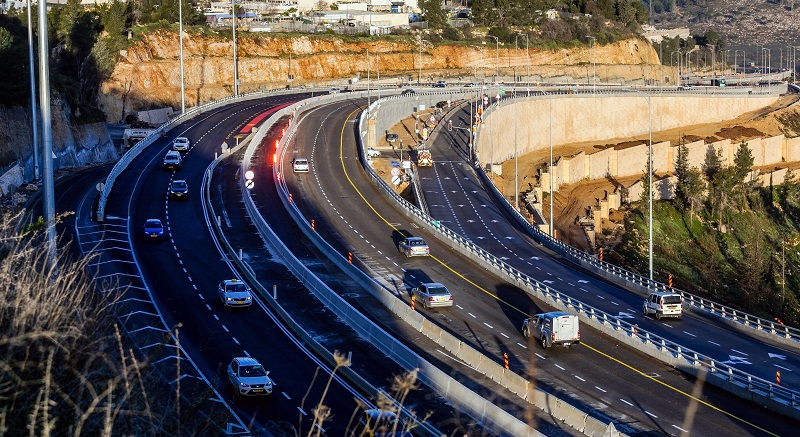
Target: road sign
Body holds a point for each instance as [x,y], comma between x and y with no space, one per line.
[249,184]
[396,180]
[100,186]
[249,175]
[224,146]
[395,171]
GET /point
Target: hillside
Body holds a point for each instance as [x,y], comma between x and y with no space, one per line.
[740,22]
[147,74]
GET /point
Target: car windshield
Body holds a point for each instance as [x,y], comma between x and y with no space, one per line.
[301,162]
[416,243]
[235,288]
[672,298]
[437,291]
[179,185]
[251,371]
[153,224]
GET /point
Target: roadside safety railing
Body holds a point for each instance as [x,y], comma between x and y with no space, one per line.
[775,397]
[280,250]
[445,385]
[476,406]
[751,324]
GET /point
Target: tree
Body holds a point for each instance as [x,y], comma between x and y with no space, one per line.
[434,14]
[695,190]
[682,174]
[712,164]
[742,163]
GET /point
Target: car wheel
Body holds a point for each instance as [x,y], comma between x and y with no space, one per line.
[658,315]
[525,331]
[543,341]
[644,309]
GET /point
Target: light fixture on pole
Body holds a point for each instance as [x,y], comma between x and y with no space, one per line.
[713,59]
[180,31]
[768,65]
[235,59]
[650,179]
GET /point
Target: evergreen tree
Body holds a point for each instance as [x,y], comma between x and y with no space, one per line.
[682,175]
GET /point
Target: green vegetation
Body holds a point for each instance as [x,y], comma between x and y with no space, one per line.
[723,237]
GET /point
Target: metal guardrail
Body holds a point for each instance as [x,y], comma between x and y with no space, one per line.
[777,398]
[281,250]
[786,335]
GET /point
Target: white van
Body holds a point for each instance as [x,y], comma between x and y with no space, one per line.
[553,328]
[664,304]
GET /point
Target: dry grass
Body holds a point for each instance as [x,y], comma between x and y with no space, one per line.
[64,369]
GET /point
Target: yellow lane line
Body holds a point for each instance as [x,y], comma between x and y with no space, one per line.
[601,353]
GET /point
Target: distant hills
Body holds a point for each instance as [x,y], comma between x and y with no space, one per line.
[771,23]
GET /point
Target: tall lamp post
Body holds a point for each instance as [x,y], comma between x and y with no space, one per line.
[34,118]
[235,59]
[497,58]
[550,168]
[594,66]
[180,30]
[672,64]
[713,59]
[768,65]
[48,185]
[527,63]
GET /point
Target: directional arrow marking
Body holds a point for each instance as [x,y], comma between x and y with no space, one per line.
[780,357]
[623,315]
[583,281]
[736,360]
[536,258]
[547,281]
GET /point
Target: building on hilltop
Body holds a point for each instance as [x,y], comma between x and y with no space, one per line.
[655,36]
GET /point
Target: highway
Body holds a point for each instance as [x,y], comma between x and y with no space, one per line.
[456,197]
[641,395]
[183,272]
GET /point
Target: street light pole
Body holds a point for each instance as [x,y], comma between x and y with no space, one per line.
[48,184]
[180,30]
[497,58]
[235,59]
[591,58]
[34,117]
[650,180]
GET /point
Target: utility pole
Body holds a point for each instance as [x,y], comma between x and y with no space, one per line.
[235,59]
[34,118]
[180,30]
[47,137]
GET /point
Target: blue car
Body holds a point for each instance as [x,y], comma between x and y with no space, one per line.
[153,229]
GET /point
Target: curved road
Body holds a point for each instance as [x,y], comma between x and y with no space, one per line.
[640,394]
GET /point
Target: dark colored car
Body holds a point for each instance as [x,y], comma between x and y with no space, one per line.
[178,189]
[153,229]
[408,92]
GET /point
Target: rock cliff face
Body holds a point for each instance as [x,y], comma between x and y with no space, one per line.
[148,75]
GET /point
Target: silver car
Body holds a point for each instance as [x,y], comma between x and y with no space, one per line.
[249,378]
[432,295]
[181,144]
[234,293]
[414,246]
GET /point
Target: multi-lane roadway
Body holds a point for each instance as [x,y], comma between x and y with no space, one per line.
[639,393]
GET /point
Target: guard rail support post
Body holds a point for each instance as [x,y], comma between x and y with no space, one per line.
[663,345]
[647,338]
[747,319]
[712,367]
[679,353]
[730,374]
[749,382]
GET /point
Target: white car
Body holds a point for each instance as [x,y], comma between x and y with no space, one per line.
[372,153]
[300,165]
[181,144]
[664,304]
[249,378]
[234,293]
[334,91]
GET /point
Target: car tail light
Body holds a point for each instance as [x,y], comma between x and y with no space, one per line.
[579,335]
[430,299]
[552,336]
[450,298]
